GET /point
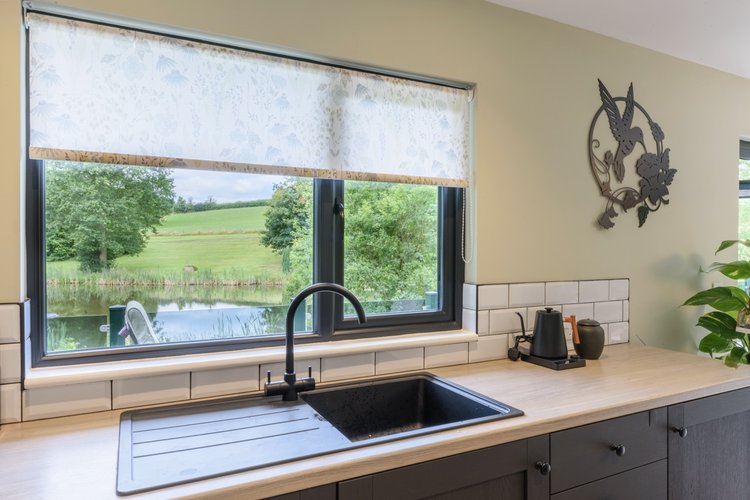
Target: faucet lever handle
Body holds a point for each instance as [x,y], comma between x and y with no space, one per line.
[309,371]
[268,376]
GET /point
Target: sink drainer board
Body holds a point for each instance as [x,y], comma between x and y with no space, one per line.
[177,444]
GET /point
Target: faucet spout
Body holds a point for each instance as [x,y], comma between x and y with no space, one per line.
[290,385]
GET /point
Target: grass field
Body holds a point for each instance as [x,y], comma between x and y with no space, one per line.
[223,245]
[249,219]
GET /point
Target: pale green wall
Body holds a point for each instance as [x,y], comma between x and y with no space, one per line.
[536,200]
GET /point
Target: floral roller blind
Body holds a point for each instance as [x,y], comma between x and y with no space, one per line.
[114,95]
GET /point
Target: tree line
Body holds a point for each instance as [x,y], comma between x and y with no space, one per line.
[182,205]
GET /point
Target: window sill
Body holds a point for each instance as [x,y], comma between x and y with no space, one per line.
[63,375]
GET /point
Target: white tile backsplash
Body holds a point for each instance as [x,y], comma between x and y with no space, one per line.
[10,323]
[580,311]
[483,322]
[399,360]
[72,399]
[495,307]
[526,294]
[488,348]
[469,320]
[506,320]
[446,355]
[150,390]
[344,367]
[208,383]
[300,368]
[492,296]
[608,312]
[10,403]
[561,292]
[619,289]
[619,333]
[593,291]
[10,363]
[469,296]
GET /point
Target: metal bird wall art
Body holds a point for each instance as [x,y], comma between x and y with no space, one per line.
[651,166]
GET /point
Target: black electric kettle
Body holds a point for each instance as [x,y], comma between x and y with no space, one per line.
[548,340]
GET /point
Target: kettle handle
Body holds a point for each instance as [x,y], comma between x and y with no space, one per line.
[523,327]
[572,320]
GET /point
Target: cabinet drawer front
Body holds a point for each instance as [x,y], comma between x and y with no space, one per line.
[710,408]
[430,479]
[586,453]
[644,483]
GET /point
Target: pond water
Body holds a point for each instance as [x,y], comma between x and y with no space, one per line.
[76,313]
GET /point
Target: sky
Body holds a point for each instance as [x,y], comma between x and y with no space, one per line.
[222,186]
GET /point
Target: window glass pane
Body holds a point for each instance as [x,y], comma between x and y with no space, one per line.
[744,170]
[744,218]
[198,255]
[744,232]
[391,246]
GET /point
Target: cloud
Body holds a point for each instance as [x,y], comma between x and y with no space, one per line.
[223,186]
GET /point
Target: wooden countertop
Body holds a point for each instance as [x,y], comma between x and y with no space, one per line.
[75,457]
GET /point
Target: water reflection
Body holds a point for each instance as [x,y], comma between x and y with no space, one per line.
[76,313]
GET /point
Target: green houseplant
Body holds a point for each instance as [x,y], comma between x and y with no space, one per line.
[732,304]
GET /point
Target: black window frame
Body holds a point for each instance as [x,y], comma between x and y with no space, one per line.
[744,155]
[329,323]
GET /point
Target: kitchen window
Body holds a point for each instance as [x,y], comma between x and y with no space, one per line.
[180,192]
[744,186]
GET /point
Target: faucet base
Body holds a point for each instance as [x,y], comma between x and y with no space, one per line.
[289,387]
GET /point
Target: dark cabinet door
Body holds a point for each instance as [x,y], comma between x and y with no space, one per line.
[504,472]
[595,451]
[709,448]
[648,482]
[325,492]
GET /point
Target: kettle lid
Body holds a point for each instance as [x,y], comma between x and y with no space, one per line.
[588,322]
[547,310]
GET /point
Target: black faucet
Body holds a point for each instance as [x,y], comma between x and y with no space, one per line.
[290,386]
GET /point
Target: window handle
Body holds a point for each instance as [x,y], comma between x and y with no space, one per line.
[338,208]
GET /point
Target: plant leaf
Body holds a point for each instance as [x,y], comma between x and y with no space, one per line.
[728,243]
[643,211]
[723,298]
[721,324]
[736,356]
[715,344]
[737,270]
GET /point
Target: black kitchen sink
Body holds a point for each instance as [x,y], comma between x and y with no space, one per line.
[403,407]
[177,444]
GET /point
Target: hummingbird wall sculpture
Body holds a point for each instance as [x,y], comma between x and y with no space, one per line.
[652,166]
[622,128]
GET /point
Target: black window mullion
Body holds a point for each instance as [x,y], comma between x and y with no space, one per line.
[35,256]
[326,247]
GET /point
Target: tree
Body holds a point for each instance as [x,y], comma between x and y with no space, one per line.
[390,240]
[181,205]
[97,213]
[288,214]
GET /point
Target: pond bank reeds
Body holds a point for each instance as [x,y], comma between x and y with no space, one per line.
[122,278]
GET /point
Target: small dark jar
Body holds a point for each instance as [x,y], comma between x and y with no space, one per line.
[591,334]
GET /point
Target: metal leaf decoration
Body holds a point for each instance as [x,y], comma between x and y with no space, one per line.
[609,168]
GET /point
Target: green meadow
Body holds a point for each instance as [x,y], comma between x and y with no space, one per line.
[222,245]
